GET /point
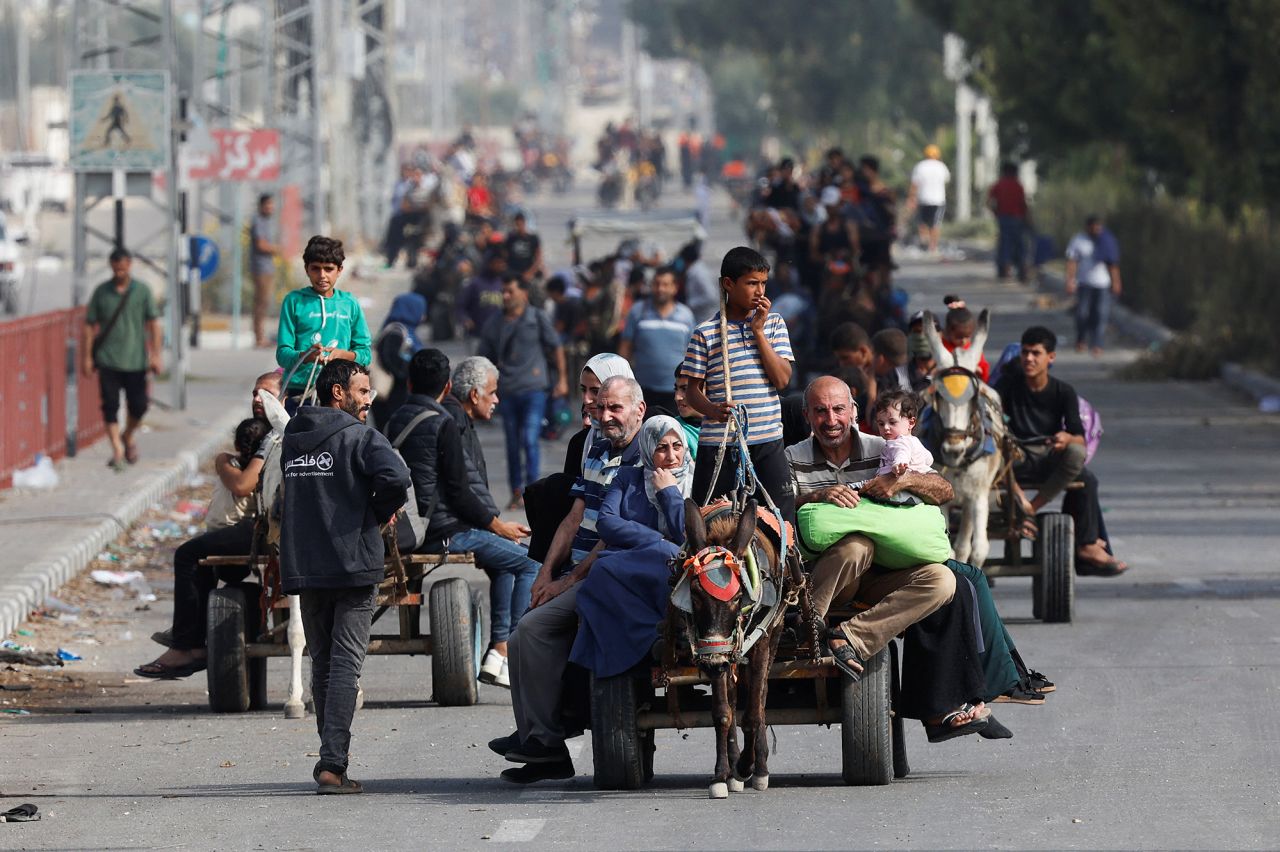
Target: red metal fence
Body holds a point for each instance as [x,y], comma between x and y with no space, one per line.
[34,359]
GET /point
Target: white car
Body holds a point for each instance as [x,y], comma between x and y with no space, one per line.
[10,268]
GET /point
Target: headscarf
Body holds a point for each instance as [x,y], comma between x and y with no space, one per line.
[652,431]
[605,366]
[408,309]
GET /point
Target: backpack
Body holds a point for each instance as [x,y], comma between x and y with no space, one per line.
[411,528]
[382,379]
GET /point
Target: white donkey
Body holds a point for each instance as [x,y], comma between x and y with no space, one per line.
[970,431]
[272,477]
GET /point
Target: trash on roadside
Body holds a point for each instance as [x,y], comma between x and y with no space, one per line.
[22,632]
[54,605]
[190,509]
[22,813]
[166,529]
[133,579]
[16,711]
[39,475]
[68,656]
[10,645]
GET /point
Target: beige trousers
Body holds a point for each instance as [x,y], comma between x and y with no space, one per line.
[898,599]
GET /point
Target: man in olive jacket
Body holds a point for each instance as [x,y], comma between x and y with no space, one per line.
[342,481]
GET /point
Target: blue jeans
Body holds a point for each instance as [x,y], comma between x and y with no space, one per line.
[522,421]
[1011,247]
[511,575]
[1093,308]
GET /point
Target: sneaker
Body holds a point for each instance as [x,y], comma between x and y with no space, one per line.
[504,676]
[493,667]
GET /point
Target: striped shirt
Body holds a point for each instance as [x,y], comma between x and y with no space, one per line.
[812,471]
[598,470]
[751,386]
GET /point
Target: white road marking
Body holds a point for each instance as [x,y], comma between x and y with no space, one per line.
[1241,611]
[518,830]
[1191,585]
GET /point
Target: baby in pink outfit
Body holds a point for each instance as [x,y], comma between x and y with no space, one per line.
[895,415]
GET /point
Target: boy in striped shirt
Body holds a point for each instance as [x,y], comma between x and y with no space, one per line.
[760,362]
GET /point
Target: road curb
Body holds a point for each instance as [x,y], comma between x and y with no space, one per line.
[29,589]
[1153,335]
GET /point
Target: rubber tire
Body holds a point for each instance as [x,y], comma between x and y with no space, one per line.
[901,767]
[454,667]
[228,669]
[1057,558]
[866,732]
[617,746]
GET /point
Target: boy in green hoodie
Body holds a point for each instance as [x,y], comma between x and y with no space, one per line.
[320,323]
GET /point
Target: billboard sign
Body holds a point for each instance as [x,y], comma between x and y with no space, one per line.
[119,120]
[237,155]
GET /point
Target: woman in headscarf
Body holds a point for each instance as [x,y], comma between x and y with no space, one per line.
[623,599]
[394,345]
[595,373]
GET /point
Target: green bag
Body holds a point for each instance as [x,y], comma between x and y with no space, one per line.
[904,536]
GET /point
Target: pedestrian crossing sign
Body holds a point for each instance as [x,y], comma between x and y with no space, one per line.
[119,120]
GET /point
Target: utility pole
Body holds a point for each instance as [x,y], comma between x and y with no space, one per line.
[956,68]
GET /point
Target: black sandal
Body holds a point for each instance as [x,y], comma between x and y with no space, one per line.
[844,657]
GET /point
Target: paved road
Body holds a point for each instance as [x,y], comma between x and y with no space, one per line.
[1161,734]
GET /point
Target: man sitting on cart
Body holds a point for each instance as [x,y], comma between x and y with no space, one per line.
[539,647]
[823,468]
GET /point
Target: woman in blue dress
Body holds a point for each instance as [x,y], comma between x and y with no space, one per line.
[623,600]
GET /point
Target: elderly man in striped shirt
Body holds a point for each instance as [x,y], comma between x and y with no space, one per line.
[539,647]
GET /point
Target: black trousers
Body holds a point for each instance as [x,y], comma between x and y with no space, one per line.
[1080,503]
[941,667]
[772,471]
[193,582]
[134,385]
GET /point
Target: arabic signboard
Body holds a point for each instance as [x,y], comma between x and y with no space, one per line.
[237,155]
[119,120]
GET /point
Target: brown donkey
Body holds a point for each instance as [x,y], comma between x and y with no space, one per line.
[723,615]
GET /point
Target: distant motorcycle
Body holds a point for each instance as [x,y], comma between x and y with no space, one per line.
[609,193]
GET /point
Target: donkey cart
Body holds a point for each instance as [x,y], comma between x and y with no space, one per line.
[628,709]
[251,621]
[1051,564]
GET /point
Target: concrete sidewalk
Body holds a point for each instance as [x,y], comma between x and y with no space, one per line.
[47,537]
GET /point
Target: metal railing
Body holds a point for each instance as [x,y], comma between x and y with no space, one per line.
[37,366]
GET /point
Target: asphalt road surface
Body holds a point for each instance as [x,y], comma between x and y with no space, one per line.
[1162,733]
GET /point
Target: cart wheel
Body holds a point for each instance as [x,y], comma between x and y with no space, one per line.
[453,658]
[901,768]
[865,729]
[228,669]
[1057,567]
[618,749]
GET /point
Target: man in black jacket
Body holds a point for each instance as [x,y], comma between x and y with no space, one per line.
[342,481]
[451,482]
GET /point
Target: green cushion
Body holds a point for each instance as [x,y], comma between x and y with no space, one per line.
[904,536]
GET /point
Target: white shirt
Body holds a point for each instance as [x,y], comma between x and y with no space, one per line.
[930,178]
[1089,272]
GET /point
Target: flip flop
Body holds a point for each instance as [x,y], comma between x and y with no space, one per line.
[131,453]
[22,813]
[159,671]
[944,730]
[163,637]
[118,465]
[1110,568]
